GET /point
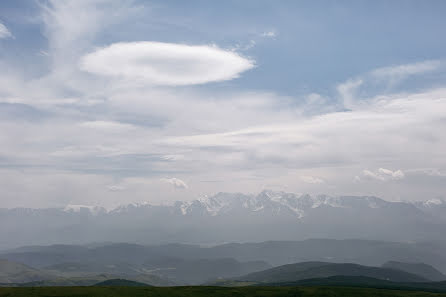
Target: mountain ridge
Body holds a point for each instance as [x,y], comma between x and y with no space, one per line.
[227,217]
[225,201]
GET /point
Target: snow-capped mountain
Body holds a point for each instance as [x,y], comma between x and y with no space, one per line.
[269,215]
[275,202]
[268,201]
[84,208]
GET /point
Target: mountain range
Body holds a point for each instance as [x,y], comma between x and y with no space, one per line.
[228,217]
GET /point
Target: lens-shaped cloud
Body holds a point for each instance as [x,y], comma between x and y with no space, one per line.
[168,64]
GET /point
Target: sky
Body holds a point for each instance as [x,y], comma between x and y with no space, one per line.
[109,102]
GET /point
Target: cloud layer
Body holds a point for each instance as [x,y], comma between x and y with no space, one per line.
[169,64]
[107,125]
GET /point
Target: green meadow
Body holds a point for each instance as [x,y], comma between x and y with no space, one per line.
[197,291]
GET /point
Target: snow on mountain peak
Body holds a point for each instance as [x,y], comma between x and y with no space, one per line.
[79,208]
[434,202]
[266,202]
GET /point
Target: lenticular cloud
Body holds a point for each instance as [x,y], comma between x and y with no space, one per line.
[168,64]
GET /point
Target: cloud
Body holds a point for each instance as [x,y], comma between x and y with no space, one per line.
[399,72]
[169,64]
[354,91]
[177,183]
[172,157]
[347,91]
[428,171]
[397,174]
[116,188]
[110,126]
[384,174]
[311,179]
[4,32]
[269,34]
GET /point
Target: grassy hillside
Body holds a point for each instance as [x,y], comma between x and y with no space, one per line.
[209,291]
[421,269]
[118,282]
[307,270]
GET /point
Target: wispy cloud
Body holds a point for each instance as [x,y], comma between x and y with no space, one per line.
[400,72]
[383,174]
[4,32]
[347,91]
[355,90]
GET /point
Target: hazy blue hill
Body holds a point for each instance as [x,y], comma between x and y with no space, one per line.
[192,264]
[421,269]
[12,272]
[119,282]
[179,263]
[202,270]
[17,274]
[364,252]
[89,281]
[307,270]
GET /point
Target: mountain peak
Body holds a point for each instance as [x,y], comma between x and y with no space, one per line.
[84,208]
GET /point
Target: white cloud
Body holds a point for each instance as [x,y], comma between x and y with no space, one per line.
[402,71]
[172,157]
[311,179]
[384,174]
[4,32]
[397,174]
[270,33]
[355,91]
[158,63]
[177,183]
[107,126]
[347,91]
[116,188]
[372,175]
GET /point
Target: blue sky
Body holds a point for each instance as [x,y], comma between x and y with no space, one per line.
[118,100]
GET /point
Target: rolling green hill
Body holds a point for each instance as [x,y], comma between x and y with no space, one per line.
[307,270]
[119,282]
[421,269]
